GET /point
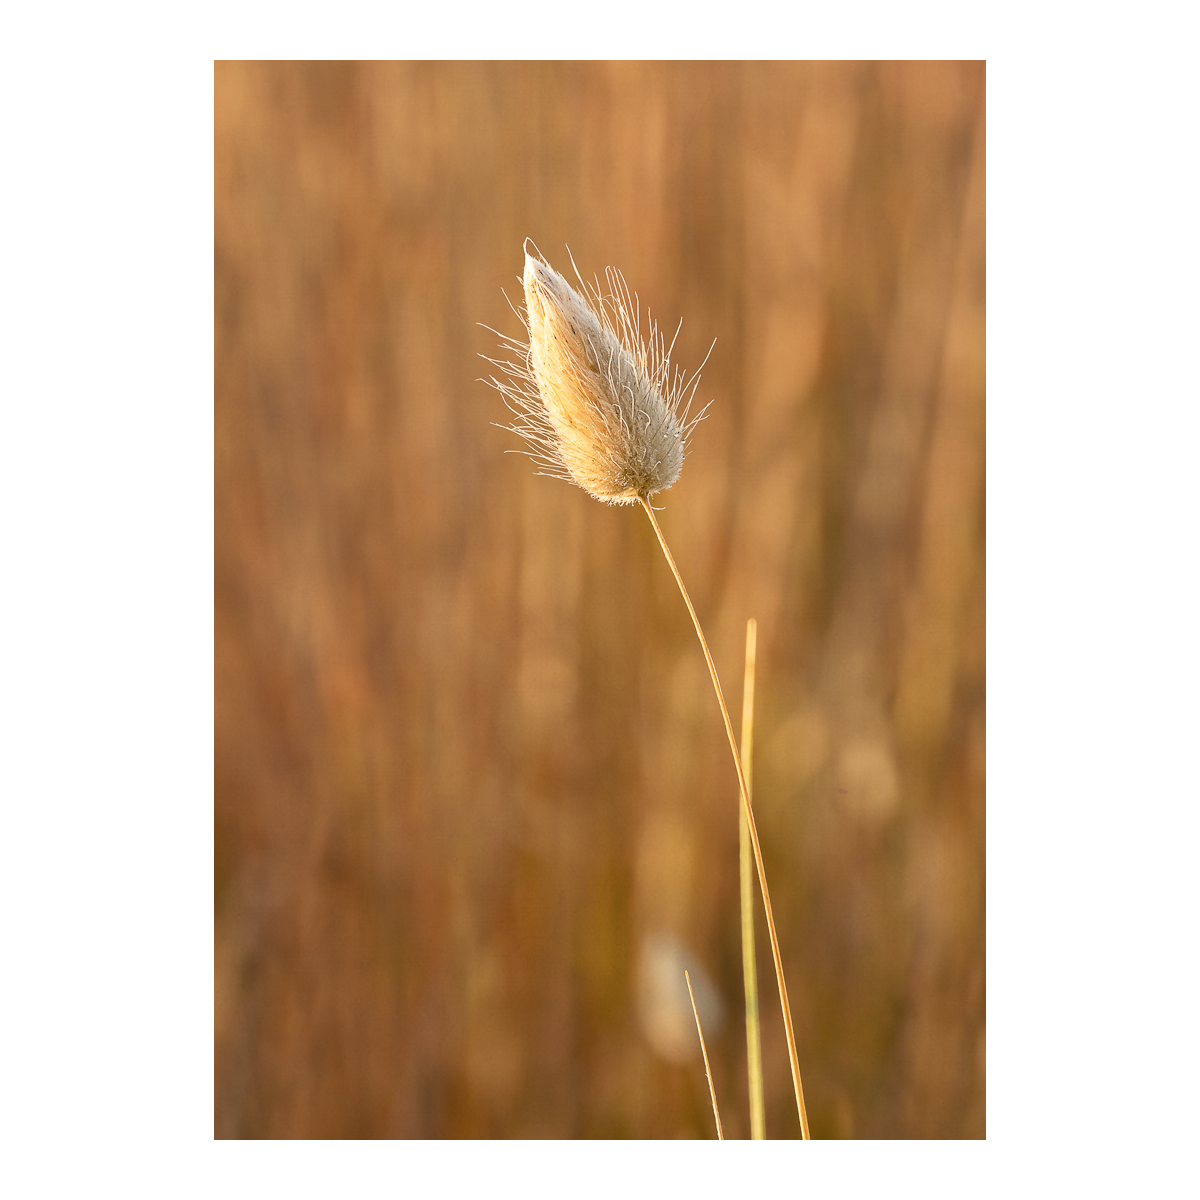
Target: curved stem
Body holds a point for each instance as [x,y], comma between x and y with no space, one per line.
[762,875]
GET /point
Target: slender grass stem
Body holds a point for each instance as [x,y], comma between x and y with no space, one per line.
[754,1075]
[762,875]
[712,1091]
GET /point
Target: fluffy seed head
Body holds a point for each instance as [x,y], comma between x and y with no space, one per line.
[596,404]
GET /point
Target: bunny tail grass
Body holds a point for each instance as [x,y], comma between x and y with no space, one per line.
[749,814]
[712,1091]
[597,404]
[604,409]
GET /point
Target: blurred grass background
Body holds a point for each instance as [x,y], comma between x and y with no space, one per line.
[470,776]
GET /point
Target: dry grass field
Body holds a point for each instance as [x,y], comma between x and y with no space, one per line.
[472,785]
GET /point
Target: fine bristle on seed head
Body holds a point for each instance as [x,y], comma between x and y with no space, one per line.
[597,405]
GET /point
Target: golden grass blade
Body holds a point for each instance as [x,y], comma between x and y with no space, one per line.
[712,1091]
[762,875]
[758,1120]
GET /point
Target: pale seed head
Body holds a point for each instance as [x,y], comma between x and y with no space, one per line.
[596,404]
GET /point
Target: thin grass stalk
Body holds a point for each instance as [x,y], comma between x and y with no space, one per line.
[754,1074]
[762,875]
[712,1091]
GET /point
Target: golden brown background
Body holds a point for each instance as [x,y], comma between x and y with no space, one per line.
[467,756]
